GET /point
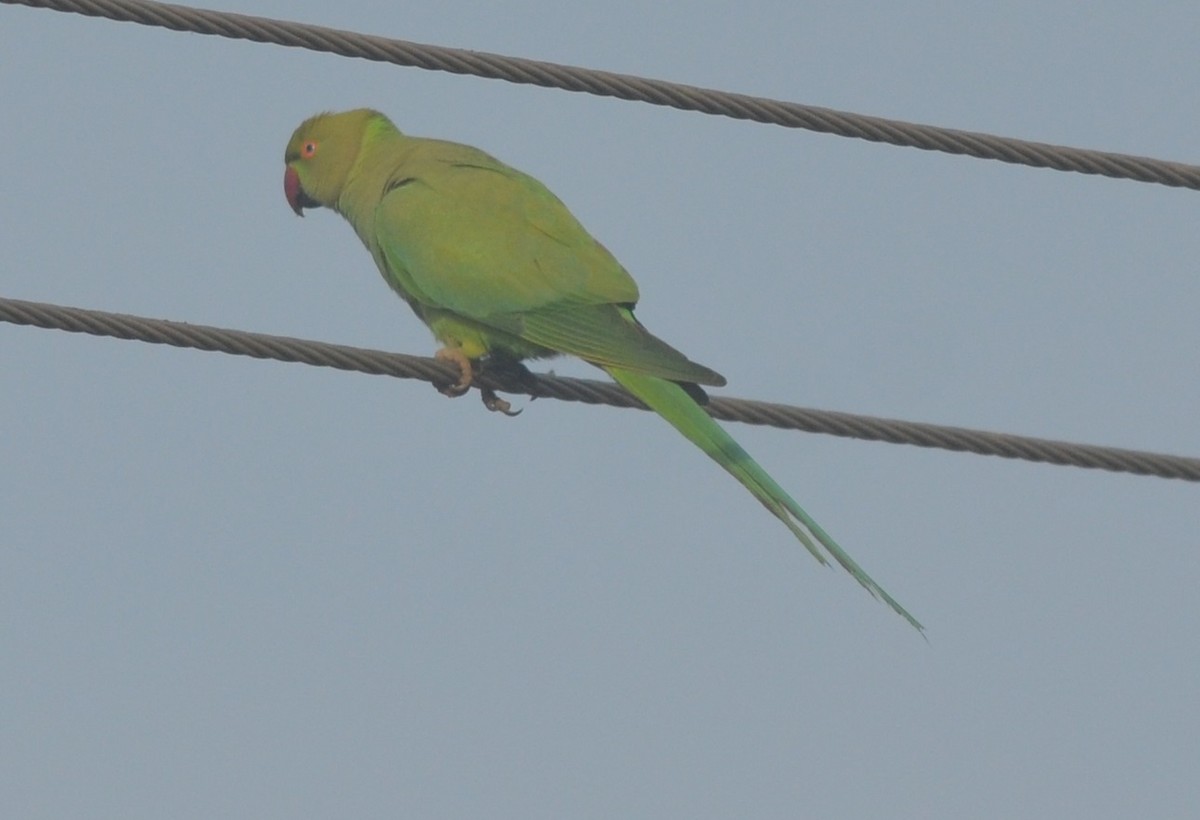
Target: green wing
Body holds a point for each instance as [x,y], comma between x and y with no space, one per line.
[461,232]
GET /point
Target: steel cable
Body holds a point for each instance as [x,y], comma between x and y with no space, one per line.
[378,362]
[627,87]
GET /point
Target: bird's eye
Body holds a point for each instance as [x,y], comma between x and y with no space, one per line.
[309,149]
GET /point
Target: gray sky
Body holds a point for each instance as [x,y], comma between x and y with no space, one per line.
[234,588]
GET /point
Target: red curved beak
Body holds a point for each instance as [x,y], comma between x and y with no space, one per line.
[292,190]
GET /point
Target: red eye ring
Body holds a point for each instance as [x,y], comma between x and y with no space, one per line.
[309,149]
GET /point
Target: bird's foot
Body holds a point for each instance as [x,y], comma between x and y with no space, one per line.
[509,369]
[466,373]
[468,370]
[505,368]
[496,404]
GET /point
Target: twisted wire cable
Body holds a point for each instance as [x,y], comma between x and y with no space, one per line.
[378,362]
[628,87]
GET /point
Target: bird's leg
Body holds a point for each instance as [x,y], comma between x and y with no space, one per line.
[529,380]
[498,363]
[506,367]
[513,370]
[466,377]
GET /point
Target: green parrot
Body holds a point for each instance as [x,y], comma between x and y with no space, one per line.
[501,271]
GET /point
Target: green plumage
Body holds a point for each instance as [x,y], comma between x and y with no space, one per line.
[493,262]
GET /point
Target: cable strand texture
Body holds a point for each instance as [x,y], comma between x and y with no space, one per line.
[627,87]
[378,362]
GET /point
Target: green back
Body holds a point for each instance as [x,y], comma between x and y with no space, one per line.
[456,230]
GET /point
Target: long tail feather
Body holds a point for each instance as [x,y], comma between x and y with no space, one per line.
[673,403]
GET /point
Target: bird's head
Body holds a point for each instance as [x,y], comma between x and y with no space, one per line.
[320,155]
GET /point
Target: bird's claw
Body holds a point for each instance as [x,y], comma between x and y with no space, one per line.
[496,404]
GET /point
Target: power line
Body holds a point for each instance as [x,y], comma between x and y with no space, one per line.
[378,362]
[628,87]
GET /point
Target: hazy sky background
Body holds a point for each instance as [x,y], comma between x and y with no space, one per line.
[233,588]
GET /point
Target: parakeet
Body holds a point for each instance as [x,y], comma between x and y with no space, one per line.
[500,270]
